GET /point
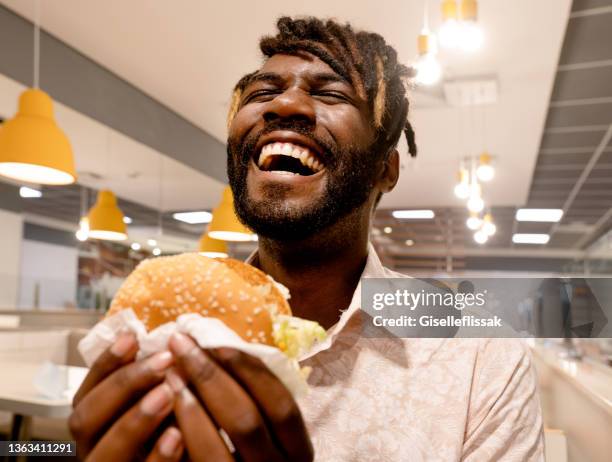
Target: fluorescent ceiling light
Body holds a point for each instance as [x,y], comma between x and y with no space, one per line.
[193,218]
[542,215]
[136,246]
[151,242]
[127,220]
[414,214]
[26,192]
[530,238]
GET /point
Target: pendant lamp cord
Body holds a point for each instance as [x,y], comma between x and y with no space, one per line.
[160,221]
[37,44]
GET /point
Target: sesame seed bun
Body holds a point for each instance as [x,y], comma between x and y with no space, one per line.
[161,289]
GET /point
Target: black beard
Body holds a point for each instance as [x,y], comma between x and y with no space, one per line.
[350,173]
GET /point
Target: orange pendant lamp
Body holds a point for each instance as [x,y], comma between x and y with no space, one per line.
[106,218]
[32,146]
[225,224]
[212,248]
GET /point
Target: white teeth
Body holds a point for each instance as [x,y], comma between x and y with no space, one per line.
[287,149]
[290,149]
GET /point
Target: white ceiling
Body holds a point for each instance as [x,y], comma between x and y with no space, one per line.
[189,54]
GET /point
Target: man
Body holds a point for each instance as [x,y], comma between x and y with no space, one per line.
[311,148]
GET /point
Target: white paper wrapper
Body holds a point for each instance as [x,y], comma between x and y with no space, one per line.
[207,332]
[55,381]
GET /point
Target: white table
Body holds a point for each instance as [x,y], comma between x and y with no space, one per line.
[19,396]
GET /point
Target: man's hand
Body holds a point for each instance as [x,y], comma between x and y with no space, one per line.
[120,405]
[237,393]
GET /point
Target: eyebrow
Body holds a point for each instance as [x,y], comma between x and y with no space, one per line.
[319,77]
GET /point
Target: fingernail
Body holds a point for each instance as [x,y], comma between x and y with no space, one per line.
[175,381]
[181,344]
[160,361]
[123,344]
[170,441]
[156,400]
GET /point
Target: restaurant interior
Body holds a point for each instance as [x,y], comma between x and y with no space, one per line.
[511,103]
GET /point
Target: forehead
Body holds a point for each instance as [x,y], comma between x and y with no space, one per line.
[301,65]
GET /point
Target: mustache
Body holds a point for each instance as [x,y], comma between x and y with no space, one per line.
[245,147]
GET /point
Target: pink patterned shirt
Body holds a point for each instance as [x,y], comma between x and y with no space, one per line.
[394,399]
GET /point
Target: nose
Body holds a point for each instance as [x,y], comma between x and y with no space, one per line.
[293,104]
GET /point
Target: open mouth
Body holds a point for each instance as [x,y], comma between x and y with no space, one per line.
[288,159]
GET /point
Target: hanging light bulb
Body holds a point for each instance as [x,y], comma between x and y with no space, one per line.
[488,227]
[212,248]
[473,222]
[106,218]
[83,232]
[428,68]
[481,237]
[475,203]
[485,171]
[470,34]
[450,30]
[462,189]
[225,224]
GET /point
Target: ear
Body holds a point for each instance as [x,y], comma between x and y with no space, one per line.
[390,173]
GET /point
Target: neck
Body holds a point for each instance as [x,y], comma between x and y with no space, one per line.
[321,271]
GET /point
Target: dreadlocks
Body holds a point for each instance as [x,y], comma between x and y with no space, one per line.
[363,58]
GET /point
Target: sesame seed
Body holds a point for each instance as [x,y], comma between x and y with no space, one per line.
[249,333]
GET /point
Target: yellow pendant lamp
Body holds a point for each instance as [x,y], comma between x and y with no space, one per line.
[212,248]
[225,224]
[106,218]
[32,147]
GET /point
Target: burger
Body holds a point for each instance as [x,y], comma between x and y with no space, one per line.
[244,298]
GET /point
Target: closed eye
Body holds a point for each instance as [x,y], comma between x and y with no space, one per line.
[261,95]
[330,96]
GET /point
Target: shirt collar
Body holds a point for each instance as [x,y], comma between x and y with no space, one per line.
[373,269]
